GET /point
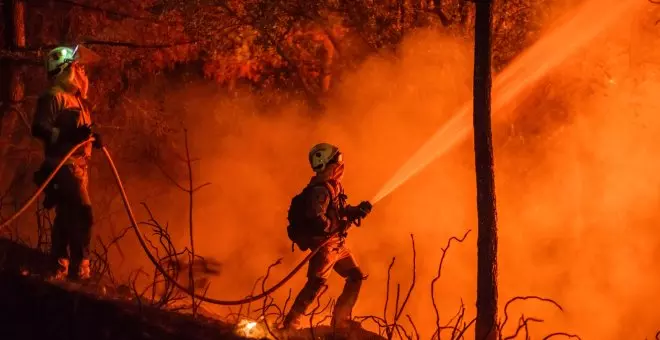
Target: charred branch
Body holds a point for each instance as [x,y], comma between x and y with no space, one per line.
[387,291]
[191,190]
[524,298]
[570,336]
[397,313]
[33,56]
[107,12]
[266,303]
[412,324]
[522,325]
[437,277]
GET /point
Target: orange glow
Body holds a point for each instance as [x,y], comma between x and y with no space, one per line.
[576,157]
[251,329]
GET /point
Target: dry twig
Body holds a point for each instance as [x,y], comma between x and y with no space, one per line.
[437,277]
[522,324]
[517,298]
[570,336]
[265,303]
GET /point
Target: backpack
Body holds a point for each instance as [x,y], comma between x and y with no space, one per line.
[301,229]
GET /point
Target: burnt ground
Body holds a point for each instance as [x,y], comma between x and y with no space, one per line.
[32,308]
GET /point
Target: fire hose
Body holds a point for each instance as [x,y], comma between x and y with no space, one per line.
[143,243]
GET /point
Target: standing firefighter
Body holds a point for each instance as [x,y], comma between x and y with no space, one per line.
[62,120]
[317,215]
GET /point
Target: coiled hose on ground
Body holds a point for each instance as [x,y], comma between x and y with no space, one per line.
[143,244]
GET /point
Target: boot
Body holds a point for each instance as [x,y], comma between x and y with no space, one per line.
[61,270]
[292,321]
[84,270]
[341,318]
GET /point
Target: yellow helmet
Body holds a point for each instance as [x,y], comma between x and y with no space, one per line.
[323,154]
[59,58]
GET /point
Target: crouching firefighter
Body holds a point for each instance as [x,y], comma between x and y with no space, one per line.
[317,215]
[61,121]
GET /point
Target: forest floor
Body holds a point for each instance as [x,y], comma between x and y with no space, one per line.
[34,308]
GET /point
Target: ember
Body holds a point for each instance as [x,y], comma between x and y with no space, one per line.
[251,329]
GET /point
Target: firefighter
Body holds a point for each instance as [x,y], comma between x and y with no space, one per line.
[61,121]
[326,208]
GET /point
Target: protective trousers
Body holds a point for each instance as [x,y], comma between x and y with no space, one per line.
[333,256]
[71,231]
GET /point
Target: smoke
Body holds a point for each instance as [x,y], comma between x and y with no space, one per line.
[575,175]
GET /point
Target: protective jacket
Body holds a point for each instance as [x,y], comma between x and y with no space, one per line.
[57,116]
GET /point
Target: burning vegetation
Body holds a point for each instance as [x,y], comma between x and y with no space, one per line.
[236,92]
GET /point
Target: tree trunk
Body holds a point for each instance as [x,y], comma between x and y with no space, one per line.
[326,68]
[486,323]
[11,76]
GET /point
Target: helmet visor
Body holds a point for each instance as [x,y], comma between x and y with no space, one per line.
[337,159]
[84,55]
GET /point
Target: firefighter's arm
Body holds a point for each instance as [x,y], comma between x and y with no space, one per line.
[43,124]
[359,211]
[320,200]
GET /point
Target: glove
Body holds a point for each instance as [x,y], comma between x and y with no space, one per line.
[98,142]
[364,209]
[80,134]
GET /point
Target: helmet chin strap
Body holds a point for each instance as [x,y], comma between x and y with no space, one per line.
[336,171]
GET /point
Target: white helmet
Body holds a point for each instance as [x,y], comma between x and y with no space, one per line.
[59,58]
[323,154]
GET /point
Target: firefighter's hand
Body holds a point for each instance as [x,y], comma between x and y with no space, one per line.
[98,142]
[81,134]
[364,208]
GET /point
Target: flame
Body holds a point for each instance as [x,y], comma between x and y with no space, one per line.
[251,329]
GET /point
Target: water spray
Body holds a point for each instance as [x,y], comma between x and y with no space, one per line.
[577,29]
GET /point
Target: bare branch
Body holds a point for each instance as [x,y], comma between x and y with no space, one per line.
[570,336]
[413,326]
[506,306]
[263,290]
[313,312]
[201,186]
[286,302]
[387,292]
[190,221]
[460,335]
[107,12]
[437,277]
[170,177]
[522,325]
[132,44]
[412,284]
